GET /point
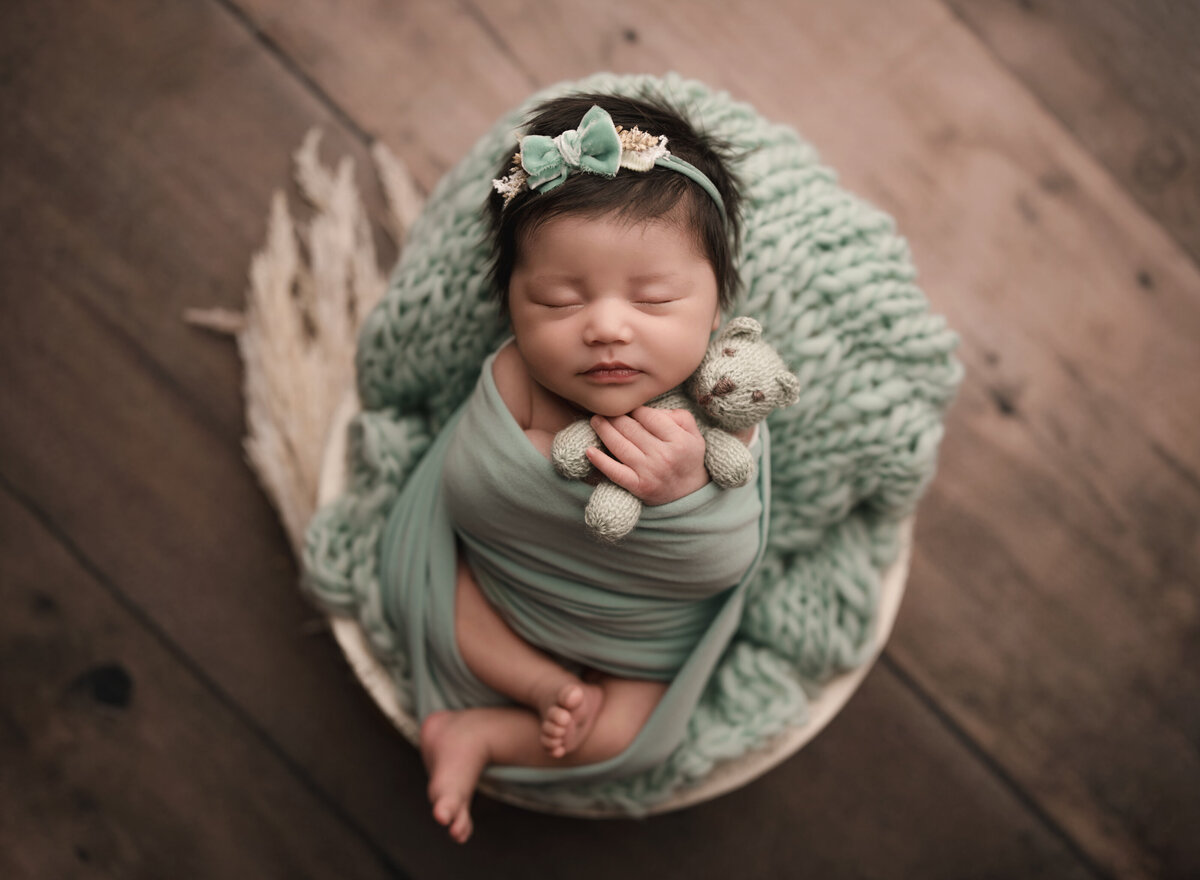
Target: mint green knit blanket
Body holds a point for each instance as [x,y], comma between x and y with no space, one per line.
[833,286]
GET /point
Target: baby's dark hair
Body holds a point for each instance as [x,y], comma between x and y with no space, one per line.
[632,195]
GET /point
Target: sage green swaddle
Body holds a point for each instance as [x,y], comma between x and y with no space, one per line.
[661,605]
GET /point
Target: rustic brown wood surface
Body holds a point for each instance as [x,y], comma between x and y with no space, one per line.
[170,706]
[1122,77]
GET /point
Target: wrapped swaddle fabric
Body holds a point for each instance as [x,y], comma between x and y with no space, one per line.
[662,605]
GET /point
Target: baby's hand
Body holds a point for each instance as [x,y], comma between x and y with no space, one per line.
[657,454]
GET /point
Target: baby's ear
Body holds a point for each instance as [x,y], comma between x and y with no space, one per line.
[791,388]
[743,329]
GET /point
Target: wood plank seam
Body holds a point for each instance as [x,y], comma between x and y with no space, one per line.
[489,30]
[293,68]
[1167,229]
[997,770]
[153,367]
[189,665]
[1006,403]
[1179,468]
[1047,442]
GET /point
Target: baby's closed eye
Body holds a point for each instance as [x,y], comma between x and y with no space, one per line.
[561,301]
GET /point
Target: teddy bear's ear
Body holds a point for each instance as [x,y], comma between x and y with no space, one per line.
[791,388]
[743,328]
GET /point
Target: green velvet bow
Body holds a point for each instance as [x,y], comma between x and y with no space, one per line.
[594,147]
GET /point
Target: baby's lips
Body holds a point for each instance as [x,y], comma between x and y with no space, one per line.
[609,366]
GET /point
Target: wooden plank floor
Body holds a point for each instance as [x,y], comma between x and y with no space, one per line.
[170,706]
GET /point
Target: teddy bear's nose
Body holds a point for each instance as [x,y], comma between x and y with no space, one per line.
[723,387]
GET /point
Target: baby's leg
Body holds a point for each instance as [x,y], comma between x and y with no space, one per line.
[454,759]
[457,746]
[511,666]
[628,704]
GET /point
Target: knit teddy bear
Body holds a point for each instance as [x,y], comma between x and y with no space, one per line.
[739,382]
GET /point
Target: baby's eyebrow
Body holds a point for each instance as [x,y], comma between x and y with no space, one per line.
[555,278]
[650,277]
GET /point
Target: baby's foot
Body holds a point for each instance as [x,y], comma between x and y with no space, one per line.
[567,719]
[454,762]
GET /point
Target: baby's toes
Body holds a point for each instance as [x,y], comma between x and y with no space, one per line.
[446,809]
[557,716]
[462,827]
[571,697]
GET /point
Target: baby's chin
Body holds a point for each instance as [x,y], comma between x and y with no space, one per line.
[614,401]
[610,406]
[611,412]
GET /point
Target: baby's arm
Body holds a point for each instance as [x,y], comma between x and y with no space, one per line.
[656,454]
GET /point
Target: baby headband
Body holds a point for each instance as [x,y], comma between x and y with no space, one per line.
[597,147]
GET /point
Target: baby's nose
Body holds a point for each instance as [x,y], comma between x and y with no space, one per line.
[607,322]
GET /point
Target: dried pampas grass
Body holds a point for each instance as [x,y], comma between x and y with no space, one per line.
[310,287]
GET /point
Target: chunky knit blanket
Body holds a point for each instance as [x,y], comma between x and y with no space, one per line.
[833,286]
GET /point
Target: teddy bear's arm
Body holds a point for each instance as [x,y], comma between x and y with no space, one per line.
[612,512]
[569,450]
[729,462]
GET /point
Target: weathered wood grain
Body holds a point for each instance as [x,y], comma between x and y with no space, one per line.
[1123,77]
[135,194]
[140,152]
[884,792]
[423,76]
[124,429]
[117,760]
[1053,614]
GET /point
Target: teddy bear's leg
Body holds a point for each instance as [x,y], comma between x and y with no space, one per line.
[729,462]
[569,450]
[612,512]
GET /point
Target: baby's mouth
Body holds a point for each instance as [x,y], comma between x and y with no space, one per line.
[613,371]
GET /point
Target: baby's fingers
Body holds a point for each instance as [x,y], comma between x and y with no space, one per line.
[668,425]
[621,474]
[625,438]
[658,423]
[685,420]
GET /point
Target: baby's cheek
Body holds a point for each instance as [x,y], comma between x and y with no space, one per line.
[540,348]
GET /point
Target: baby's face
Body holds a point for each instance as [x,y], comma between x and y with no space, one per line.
[609,315]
